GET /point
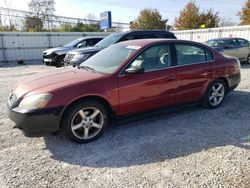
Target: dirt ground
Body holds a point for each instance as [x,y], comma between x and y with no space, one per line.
[187,147]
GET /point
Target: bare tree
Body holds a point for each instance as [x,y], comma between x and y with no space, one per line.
[8,4]
[44,9]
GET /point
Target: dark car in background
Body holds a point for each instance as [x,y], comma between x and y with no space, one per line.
[127,78]
[237,47]
[55,56]
[75,57]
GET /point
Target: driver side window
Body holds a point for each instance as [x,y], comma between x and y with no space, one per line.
[233,43]
[154,58]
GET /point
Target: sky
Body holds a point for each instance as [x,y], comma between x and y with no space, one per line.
[128,10]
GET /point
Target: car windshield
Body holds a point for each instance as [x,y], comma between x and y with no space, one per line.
[216,43]
[110,59]
[73,43]
[109,40]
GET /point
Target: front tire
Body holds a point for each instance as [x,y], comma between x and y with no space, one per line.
[60,61]
[85,121]
[215,94]
[248,59]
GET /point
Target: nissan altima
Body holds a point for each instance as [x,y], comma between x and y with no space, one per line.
[126,78]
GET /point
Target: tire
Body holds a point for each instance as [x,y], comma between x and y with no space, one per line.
[60,61]
[47,63]
[248,59]
[214,96]
[85,121]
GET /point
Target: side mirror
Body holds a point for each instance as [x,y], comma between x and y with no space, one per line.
[79,45]
[135,70]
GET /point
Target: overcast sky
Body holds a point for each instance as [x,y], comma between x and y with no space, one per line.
[128,10]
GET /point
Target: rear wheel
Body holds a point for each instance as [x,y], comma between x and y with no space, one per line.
[215,94]
[85,121]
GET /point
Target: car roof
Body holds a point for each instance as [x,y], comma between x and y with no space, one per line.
[146,42]
[145,32]
[92,37]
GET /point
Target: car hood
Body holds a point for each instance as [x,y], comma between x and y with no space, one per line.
[58,50]
[50,81]
[86,50]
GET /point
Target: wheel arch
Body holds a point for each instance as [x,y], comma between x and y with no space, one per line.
[226,82]
[102,100]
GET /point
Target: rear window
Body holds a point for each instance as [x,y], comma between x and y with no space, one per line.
[189,54]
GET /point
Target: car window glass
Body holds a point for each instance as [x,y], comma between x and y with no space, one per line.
[83,43]
[243,42]
[189,54]
[209,55]
[154,58]
[110,59]
[233,43]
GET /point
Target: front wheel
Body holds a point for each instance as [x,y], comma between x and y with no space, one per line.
[215,94]
[85,121]
[60,62]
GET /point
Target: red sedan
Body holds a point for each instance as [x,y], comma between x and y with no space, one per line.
[127,78]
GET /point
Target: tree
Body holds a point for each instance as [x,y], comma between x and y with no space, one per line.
[80,27]
[44,9]
[189,17]
[244,14]
[192,18]
[209,18]
[149,19]
[33,23]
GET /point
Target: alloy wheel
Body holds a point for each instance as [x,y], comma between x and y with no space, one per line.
[87,123]
[217,94]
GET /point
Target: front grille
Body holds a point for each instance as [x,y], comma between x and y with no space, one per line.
[69,57]
[12,100]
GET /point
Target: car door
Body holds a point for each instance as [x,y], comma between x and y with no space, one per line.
[231,48]
[244,49]
[155,87]
[194,71]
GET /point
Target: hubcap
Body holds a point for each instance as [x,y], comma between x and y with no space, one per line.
[87,123]
[216,94]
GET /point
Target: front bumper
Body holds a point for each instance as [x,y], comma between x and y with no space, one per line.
[36,121]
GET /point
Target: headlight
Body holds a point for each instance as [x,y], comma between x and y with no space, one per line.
[35,101]
[81,56]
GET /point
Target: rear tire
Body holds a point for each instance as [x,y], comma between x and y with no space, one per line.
[85,121]
[215,94]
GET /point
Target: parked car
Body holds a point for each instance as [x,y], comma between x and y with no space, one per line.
[126,78]
[75,57]
[55,56]
[236,47]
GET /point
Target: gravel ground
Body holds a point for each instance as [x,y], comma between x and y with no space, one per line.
[186,147]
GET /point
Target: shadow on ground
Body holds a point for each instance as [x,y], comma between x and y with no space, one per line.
[161,136]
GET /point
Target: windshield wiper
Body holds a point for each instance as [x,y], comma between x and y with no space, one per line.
[86,68]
